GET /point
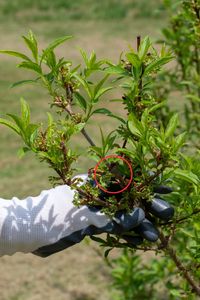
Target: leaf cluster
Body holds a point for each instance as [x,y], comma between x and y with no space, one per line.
[152,145]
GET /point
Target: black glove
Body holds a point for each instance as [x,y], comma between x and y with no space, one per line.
[156,208]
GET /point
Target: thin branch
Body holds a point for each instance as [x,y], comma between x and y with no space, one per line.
[59,173]
[124,144]
[81,192]
[97,200]
[150,179]
[146,249]
[186,274]
[88,138]
[68,108]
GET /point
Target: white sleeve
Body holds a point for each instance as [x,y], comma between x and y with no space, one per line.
[28,224]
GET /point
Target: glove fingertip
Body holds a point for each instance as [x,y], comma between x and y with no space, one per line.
[131,220]
[148,231]
[161,209]
[95,208]
[163,189]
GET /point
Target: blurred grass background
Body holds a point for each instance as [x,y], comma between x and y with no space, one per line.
[80,9]
[106,26]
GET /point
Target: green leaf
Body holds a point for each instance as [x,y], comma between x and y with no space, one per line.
[180,140]
[101,92]
[50,119]
[18,121]
[116,70]
[31,66]
[34,134]
[144,47]
[22,82]
[61,62]
[157,106]
[25,111]
[187,176]
[16,54]
[94,156]
[157,64]
[90,62]
[97,239]
[134,125]
[53,45]
[134,60]
[171,127]
[103,111]
[100,84]
[81,100]
[193,98]
[115,100]
[22,151]
[187,233]
[31,128]
[10,125]
[107,112]
[97,150]
[92,58]
[44,155]
[175,293]
[127,152]
[73,71]
[102,138]
[85,85]
[32,44]
[110,139]
[85,58]
[51,59]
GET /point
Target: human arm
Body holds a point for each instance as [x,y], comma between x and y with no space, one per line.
[50,222]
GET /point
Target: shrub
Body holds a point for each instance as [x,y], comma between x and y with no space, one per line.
[152,148]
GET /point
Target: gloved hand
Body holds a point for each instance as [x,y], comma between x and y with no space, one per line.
[156,208]
[50,222]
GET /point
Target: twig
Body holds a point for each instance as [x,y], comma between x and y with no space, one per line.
[69,96]
[97,200]
[62,176]
[146,248]
[150,179]
[186,274]
[83,193]
[68,108]
[124,144]
[87,137]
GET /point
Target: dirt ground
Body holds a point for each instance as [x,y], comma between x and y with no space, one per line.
[77,273]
